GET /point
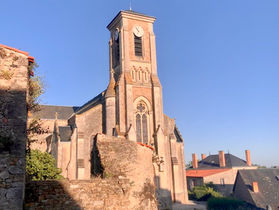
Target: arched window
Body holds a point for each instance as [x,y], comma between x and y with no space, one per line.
[142,122]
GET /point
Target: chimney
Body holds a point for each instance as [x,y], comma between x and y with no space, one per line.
[203,156]
[248,157]
[255,186]
[194,160]
[222,160]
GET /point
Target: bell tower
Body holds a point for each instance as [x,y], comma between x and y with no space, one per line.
[133,101]
[133,70]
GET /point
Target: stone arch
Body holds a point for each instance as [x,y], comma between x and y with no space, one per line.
[145,100]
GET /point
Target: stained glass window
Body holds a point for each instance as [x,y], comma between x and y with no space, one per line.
[142,123]
[138,124]
[144,129]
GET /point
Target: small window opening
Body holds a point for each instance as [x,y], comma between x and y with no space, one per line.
[116,52]
[138,46]
[222,181]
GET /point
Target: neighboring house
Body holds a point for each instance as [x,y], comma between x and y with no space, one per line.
[259,187]
[130,108]
[218,169]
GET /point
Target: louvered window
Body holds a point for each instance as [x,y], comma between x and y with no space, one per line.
[115,53]
[138,46]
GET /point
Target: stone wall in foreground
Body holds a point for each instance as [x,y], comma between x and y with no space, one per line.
[94,194]
[123,180]
[126,159]
[13,116]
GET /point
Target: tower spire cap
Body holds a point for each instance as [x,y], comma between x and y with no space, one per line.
[110,92]
[130,5]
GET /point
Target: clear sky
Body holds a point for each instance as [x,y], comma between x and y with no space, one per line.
[218,62]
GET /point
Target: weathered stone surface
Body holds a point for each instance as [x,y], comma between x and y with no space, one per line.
[2,193]
[127,183]
[14,193]
[4,175]
[16,170]
[13,88]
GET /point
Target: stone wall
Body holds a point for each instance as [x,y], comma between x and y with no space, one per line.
[94,194]
[13,116]
[43,140]
[124,159]
[122,178]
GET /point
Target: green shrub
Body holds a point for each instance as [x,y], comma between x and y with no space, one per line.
[213,186]
[203,193]
[226,204]
[41,166]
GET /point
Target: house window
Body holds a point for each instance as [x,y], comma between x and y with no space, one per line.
[142,123]
[222,181]
[138,46]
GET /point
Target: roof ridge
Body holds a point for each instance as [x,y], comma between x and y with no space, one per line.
[92,101]
[14,49]
[56,105]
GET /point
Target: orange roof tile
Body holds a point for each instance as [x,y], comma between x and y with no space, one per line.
[145,145]
[30,58]
[204,173]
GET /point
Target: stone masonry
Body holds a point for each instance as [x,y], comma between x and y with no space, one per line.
[13,116]
[131,108]
[124,181]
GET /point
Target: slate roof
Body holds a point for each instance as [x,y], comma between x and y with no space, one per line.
[171,128]
[212,161]
[268,182]
[136,13]
[91,103]
[48,112]
[65,133]
[130,12]
[177,134]
[65,112]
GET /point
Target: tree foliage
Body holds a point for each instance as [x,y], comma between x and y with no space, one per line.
[227,203]
[41,166]
[203,193]
[35,89]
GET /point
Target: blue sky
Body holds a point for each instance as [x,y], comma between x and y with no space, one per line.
[217,62]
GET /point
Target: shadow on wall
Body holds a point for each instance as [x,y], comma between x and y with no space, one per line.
[50,194]
[165,197]
[96,165]
[13,122]
[12,147]
[226,189]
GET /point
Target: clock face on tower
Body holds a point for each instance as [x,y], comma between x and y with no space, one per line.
[138,31]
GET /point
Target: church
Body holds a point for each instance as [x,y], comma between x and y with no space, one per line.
[131,107]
